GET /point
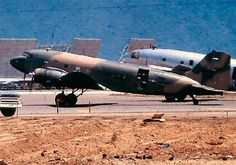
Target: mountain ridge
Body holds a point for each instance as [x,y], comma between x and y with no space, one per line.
[197,26]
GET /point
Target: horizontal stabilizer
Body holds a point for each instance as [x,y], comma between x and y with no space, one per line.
[180,69]
[204,90]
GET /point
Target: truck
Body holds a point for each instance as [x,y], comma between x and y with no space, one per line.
[9,103]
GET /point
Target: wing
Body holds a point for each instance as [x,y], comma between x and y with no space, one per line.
[79,80]
[60,79]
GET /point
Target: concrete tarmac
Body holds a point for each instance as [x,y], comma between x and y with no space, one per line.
[41,103]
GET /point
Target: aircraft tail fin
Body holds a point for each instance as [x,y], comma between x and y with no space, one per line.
[85,46]
[138,43]
[212,71]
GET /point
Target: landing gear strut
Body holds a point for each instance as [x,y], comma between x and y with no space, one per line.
[195,101]
[70,100]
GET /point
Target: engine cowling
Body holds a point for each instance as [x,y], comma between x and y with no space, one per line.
[49,77]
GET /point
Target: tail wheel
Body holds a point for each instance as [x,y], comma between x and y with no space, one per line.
[60,99]
[181,97]
[195,102]
[71,99]
[170,98]
[8,112]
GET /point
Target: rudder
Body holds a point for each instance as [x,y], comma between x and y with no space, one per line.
[212,71]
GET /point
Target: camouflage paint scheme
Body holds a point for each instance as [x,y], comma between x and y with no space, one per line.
[213,71]
[82,72]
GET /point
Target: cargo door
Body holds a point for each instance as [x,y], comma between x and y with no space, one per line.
[142,79]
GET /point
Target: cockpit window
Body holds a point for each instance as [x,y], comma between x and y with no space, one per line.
[135,55]
[27,55]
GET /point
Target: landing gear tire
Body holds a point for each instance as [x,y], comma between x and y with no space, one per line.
[71,99]
[8,112]
[181,98]
[170,98]
[60,99]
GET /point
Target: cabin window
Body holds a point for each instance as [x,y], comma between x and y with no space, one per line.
[163,59]
[191,62]
[181,62]
[27,55]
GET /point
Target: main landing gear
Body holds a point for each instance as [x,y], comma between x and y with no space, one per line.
[69,100]
[180,98]
[172,98]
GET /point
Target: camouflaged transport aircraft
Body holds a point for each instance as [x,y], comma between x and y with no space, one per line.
[68,70]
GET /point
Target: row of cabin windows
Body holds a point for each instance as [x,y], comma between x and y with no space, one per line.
[135,55]
[191,62]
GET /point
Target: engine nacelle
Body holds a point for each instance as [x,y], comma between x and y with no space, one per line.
[49,77]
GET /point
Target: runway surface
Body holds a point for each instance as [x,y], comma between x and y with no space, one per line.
[41,103]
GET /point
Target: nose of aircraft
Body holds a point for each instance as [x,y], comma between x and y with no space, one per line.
[20,63]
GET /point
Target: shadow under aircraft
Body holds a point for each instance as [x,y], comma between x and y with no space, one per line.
[79,72]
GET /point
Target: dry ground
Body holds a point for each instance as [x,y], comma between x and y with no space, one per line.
[117,140]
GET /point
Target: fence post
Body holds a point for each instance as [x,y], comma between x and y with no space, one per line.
[58,105]
[89,108]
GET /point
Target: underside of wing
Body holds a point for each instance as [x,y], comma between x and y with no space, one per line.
[79,80]
[60,79]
